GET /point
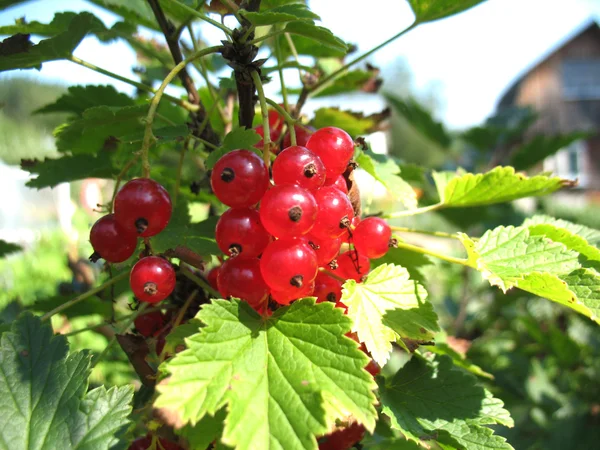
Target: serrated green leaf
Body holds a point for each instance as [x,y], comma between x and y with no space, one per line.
[421,120]
[419,323]
[353,123]
[238,139]
[60,46]
[411,261]
[322,35]
[134,11]
[177,336]
[471,437]
[281,14]
[429,10]
[386,288]
[570,240]
[501,184]
[589,234]
[429,397]
[585,284]
[285,379]
[306,46]
[44,388]
[385,170]
[99,129]
[80,98]
[351,81]
[6,248]
[541,147]
[459,360]
[70,168]
[201,435]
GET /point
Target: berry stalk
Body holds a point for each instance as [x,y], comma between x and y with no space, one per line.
[265,115]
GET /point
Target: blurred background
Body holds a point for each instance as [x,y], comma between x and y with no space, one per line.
[513,82]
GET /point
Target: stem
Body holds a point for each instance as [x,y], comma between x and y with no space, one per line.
[280,70]
[424,251]
[179,169]
[184,104]
[429,233]
[331,274]
[205,142]
[121,330]
[342,69]
[178,319]
[234,10]
[104,324]
[265,115]
[146,143]
[287,117]
[414,212]
[266,36]
[204,17]
[200,282]
[83,296]
[120,178]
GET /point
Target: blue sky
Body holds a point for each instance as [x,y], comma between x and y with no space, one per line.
[471,58]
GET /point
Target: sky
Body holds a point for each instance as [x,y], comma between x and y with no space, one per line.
[470,58]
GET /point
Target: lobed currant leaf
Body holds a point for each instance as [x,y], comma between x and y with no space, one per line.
[280,14]
[429,10]
[591,235]
[378,306]
[79,98]
[285,379]
[46,397]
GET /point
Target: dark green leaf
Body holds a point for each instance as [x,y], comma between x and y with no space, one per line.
[323,36]
[281,14]
[413,262]
[6,248]
[134,11]
[70,168]
[306,46]
[429,10]
[421,120]
[240,138]
[45,388]
[418,323]
[80,98]
[207,430]
[354,123]
[60,46]
[540,147]
[352,81]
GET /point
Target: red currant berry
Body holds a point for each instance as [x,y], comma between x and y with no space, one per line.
[326,249]
[339,182]
[110,241]
[286,297]
[212,276]
[299,166]
[344,438]
[303,134]
[152,279]
[240,178]
[373,368]
[288,264]
[240,232]
[347,236]
[288,211]
[143,206]
[327,289]
[335,213]
[335,148]
[144,443]
[241,278]
[372,237]
[353,265]
[150,323]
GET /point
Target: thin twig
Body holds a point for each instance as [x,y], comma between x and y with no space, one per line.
[265,115]
[200,282]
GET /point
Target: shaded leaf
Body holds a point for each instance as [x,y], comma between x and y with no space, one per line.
[238,139]
[540,147]
[413,262]
[589,234]
[6,248]
[80,98]
[322,35]
[429,10]
[354,123]
[280,14]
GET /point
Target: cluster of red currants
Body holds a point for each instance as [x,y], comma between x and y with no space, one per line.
[142,208]
[304,218]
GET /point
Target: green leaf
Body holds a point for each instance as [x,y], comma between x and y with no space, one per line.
[99,129]
[585,284]
[134,11]
[238,139]
[419,323]
[201,435]
[429,10]
[306,46]
[570,240]
[6,248]
[20,54]
[413,262]
[541,147]
[430,399]
[501,184]
[46,398]
[354,123]
[387,288]
[284,379]
[70,168]
[351,81]
[80,98]
[421,120]
[280,14]
[321,35]
[178,335]
[385,170]
[589,234]
[458,359]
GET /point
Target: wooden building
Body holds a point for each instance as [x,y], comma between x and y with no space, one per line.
[564,90]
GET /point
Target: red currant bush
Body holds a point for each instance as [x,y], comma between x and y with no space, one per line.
[110,241]
[371,237]
[240,277]
[288,265]
[149,324]
[239,231]
[335,213]
[334,146]
[298,165]
[152,279]
[143,206]
[288,211]
[240,179]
